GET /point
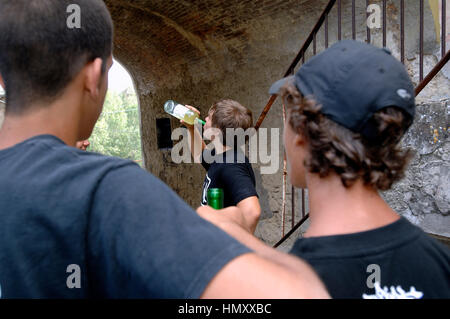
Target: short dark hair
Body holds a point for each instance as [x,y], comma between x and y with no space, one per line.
[40,55]
[378,162]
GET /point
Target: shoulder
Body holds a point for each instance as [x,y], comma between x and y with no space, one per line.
[55,149]
[50,162]
[237,171]
[434,249]
[422,241]
[133,188]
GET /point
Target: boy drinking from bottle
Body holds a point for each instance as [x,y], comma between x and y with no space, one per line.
[227,168]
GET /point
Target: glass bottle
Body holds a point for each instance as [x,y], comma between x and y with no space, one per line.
[181,112]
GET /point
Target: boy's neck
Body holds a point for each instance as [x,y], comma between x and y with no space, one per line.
[60,121]
[336,210]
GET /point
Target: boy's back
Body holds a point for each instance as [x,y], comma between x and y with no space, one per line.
[233,173]
[121,226]
[381,263]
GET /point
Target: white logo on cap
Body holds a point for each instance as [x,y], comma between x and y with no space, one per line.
[403,94]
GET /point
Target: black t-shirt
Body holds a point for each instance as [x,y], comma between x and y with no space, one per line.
[395,261]
[70,218]
[230,171]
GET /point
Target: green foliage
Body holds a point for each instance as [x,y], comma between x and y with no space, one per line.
[117,130]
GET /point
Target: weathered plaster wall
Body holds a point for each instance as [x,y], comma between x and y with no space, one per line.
[423,196]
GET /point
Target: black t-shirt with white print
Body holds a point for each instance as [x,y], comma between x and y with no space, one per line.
[395,261]
[230,171]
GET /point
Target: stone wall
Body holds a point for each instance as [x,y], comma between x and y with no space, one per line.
[198,53]
[423,196]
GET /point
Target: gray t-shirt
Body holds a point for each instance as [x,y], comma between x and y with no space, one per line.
[76,224]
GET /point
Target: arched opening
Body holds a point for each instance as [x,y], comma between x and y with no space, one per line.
[117,132]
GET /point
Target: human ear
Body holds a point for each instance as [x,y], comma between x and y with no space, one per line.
[93,77]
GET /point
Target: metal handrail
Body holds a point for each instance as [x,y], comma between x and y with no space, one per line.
[433,73]
[297,58]
[293,229]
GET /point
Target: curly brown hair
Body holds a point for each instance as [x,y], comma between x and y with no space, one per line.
[377,161]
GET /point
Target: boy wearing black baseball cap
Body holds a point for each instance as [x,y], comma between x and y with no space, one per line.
[348,108]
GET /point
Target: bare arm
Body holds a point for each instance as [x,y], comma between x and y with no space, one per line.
[251,276]
[251,210]
[247,216]
[196,143]
[266,273]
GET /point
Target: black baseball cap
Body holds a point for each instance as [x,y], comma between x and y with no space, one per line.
[352,80]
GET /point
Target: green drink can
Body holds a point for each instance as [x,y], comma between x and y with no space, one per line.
[215,198]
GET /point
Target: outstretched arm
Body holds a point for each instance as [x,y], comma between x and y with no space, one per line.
[251,276]
[268,273]
[196,143]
